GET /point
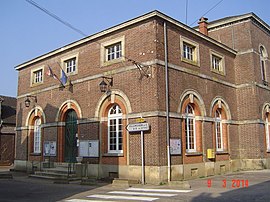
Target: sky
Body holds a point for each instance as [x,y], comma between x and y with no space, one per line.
[26,32]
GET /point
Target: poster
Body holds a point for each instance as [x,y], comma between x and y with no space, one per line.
[89,148]
[49,148]
[175,146]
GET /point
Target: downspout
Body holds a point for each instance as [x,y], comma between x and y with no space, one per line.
[167,102]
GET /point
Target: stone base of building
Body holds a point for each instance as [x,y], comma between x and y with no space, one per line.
[155,174]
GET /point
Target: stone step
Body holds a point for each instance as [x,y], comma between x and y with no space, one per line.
[59,170]
[6,176]
[55,174]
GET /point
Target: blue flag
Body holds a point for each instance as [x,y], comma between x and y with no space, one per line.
[63,78]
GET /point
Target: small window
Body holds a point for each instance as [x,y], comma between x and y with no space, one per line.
[189,51]
[217,63]
[37,76]
[70,65]
[113,52]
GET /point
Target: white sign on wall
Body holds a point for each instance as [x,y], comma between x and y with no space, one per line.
[49,148]
[89,148]
[175,146]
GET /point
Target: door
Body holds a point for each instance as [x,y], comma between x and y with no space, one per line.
[71,130]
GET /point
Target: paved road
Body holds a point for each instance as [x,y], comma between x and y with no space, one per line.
[243,186]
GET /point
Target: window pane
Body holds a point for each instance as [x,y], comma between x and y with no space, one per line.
[114,51]
[70,65]
[115,129]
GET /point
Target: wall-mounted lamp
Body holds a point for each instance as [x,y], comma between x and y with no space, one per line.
[27,102]
[104,86]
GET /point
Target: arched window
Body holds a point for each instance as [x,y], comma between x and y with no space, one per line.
[37,136]
[190,129]
[267,124]
[262,61]
[218,131]
[115,130]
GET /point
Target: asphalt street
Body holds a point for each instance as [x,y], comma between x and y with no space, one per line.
[240,186]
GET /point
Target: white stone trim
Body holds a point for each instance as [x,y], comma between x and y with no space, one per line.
[35,110]
[68,102]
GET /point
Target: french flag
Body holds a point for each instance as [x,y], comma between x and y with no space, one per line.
[51,74]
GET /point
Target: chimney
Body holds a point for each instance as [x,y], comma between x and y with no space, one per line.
[203,25]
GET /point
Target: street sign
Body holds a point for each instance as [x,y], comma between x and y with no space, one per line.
[140,120]
[137,127]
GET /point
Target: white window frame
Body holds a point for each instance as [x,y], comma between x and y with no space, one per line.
[267,133]
[190,118]
[221,67]
[116,117]
[263,58]
[104,51]
[218,123]
[75,67]
[186,47]
[37,80]
[37,136]
[114,52]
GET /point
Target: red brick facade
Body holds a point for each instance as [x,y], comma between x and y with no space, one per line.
[236,90]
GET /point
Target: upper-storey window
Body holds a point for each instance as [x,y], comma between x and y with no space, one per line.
[263,56]
[217,63]
[37,76]
[189,51]
[70,64]
[112,51]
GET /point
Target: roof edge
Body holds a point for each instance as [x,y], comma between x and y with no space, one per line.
[146,16]
[234,19]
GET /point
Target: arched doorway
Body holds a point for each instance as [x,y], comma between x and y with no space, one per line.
[71,130]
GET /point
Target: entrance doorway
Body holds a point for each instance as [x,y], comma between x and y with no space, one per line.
[71,129]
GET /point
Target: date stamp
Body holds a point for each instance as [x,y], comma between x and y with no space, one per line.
[234,183]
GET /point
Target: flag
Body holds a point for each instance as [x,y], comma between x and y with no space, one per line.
[63,78]
[51,74]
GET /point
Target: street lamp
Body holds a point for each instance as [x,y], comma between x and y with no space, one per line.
[105,84]
[27,102]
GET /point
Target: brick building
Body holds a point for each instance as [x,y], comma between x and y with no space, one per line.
[7,129]
[204,91]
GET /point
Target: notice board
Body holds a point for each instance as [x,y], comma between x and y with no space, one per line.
[175,146]
[89,148]
[49,148]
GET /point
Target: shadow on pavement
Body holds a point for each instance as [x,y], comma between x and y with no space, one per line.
[25,189]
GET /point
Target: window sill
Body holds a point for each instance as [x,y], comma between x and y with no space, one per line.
[36,84]
[268,151]
[113,154]
[222,152]
[194,154]
[192,62]
[218,72]
[35,154]
[114,61]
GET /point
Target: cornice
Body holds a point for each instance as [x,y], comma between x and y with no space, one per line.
[118,27]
